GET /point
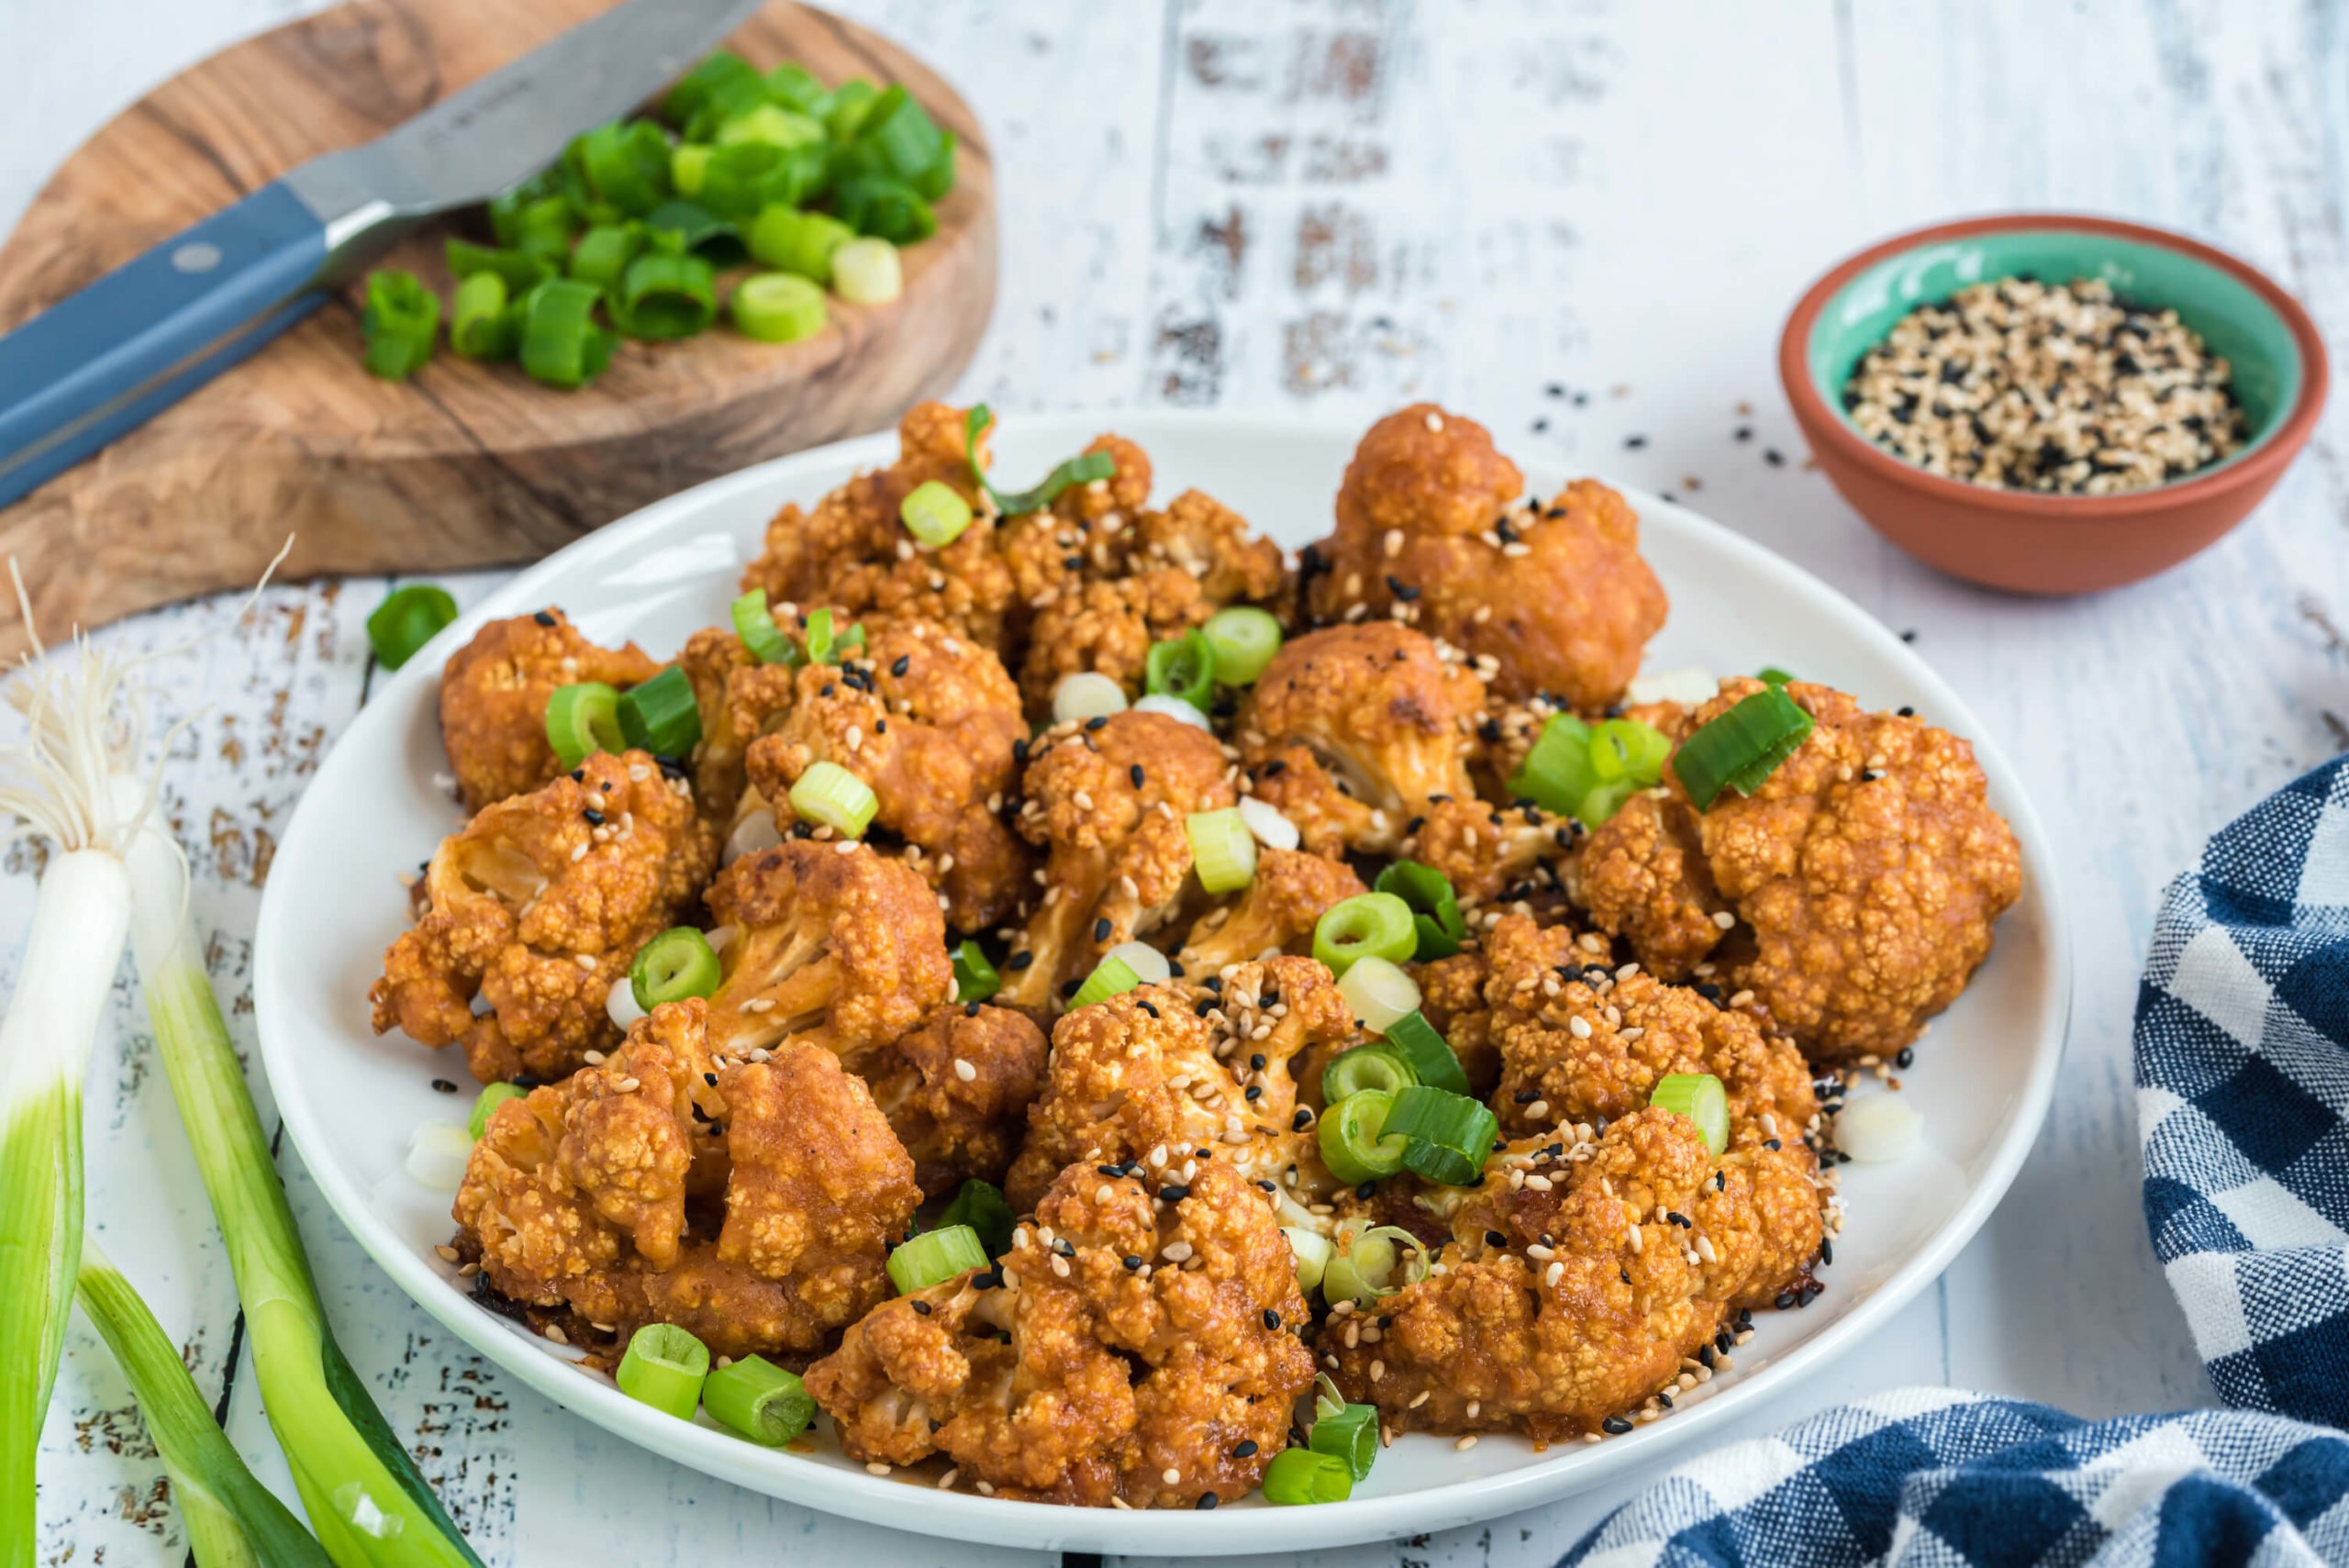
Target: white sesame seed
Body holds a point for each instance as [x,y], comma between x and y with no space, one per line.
[1464,1444]
[965,1072]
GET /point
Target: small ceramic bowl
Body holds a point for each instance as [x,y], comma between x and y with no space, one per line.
[2023,541]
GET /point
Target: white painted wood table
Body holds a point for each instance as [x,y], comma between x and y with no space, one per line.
[1582,222]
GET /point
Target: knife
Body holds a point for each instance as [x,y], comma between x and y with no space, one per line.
[104,361]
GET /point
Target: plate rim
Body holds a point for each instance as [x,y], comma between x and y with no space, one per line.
[895,1504]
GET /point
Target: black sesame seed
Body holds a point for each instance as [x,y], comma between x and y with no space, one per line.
[1173,1193]
[1272,1320]
[442,1086]
[1826,1251]
[1256,1061]
[1495,1238]
[1785,1301]
[1635,442]
[544,617]
[1301,1120]
[1101,929]
[1207,1500]
[1019,961]
[1615,1425]
[1096,722]
[595,817]
[1905,1057]
[904,662]
[1774,457]
[1130,1261]
[920,1307]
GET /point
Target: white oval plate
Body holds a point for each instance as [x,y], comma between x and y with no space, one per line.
[350,1099]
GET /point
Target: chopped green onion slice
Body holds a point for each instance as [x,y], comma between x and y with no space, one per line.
[604,253]
[685,226]
[866,271]
[1435,909]
[823,646]
[829,794]
[399,323]
[1700,1097]
[1312,1251]
[887,210]
[776,307]
[800,242]
[626,164]
[1083,469]
[521,273]
[982,1206]
[852,101]
[689,167]
[719,74]
[754,624]
[1182,667]
[1244,639]
[674,965]
[759,1400]
[794,87]
[1379,992]
[1448,1135]
[896,128]
[486,1102]
[661,715]
[1352,1136]
[935,513]
[533,221]
[1741,748]
[744,178]
[664,297]
[772,124]
[1110,977]
[1431,1059]
[1557,772]
[480,324]
[1626,749]
[1771,675]
[1223,849]
[665,1367]
[1148,964]
[975,979]
[562,345]
[1603,801]
[1349,1433]
[1300,1475]
[407,620]
[1368,924]
[1364,1269]
[583,720]
[934,1256]
[1376,1067]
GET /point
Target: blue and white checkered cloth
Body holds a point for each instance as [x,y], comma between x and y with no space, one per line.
[2242,1087]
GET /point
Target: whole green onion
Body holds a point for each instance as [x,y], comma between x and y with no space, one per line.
[1368,924]
[400,321]
[562,345]
[935,1256]
[777,308]
[759,1400]
[673,967]
[408,618]
[662,716]
[664,296]
[665,1367]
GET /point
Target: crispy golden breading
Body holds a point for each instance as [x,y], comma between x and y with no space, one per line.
[1275,913]
[592,1201]
[1107,800]
[1492,852]
[930,721]
[530,914]
[1556,596]
[1451,998]
[1108,626]
[494,695]
[1864,877]
[1149,1071]
[1574,1292]
[1593,1046]
[832,943]
[1201,536]
[954,1126]
[739,700]
[1064,1374]
[1352,730]
[854,550]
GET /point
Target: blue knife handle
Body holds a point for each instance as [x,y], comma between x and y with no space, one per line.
[153,330]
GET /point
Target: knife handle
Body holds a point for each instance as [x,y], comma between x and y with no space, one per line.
[138,340]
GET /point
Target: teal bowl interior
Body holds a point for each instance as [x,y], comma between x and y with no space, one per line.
[2231,316]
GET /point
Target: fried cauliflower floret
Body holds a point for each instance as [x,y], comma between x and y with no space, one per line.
[854,550]
[739,699]
[1352,730]
[1165,1069]
[529,915]
[1107,800]
[1644,877]
[930,721]
[598,1201]
[832,943]
[1573,1299]
[1578,1044]
[1556,596]
[1275,913]
[1492,852]
[1452,999]
[1863,876]
[1204,538]
[1108,626]
[494,695]
[1136,1346]
[957,1125]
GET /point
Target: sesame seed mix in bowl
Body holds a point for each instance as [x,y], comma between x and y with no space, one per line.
[2063,388]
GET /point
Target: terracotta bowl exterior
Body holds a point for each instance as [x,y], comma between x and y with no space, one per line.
[2021,540]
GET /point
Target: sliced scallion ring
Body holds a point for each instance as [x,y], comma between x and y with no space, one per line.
[1377,1263]
[481,327]
[934,513]
[1741,748]
[672,966]
[799,242]
[1181,667]
[1379,992]
[407,620]
[1223,849]
[1244,639]
[866,271]
[485,1105]
[754,624]
[1313,1250]
[1700,1097]
[778,308]
[1174,708]
[399,323]
[665,1367]
[829,794]
[1148,964]
[1603,801]
[1086,694]
[666,295]
[1273,830]
[662,716]
[1299,1475]
[1626,749]
[1352,1137]
[982,1206]
[1429,1054]
[584,719]
[1368,924]
[604,253]
[1110,977]
[1349,1434]
[975,979]
[935,1256]
[562,345]
[1557,772]
[1375,1068]
[1435,909]
[757,1400]
[1448,1137]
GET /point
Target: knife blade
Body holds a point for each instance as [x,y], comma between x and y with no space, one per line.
[105,360]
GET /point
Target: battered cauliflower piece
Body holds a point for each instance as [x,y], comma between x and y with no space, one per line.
[832,943]
[595,1202]
[957,1126]
[1556,598]
[526,917]
[1107,799]
[1352,730]
[1275,913]
[739,699]
[1084,535]
[1452,999]
[1861,879]
[1137,1346]
[1171,1068]
[1583,1277]
[932,723]
[853,548]
[494,695]
[1205,540]
[1492,853]
[1109,627]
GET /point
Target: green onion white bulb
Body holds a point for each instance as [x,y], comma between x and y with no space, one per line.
[1149,965]
[1087,695]
[1174,708]
[1378,991]
[437,1154]
[1273,830]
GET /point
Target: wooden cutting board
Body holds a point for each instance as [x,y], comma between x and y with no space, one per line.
[467,464]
